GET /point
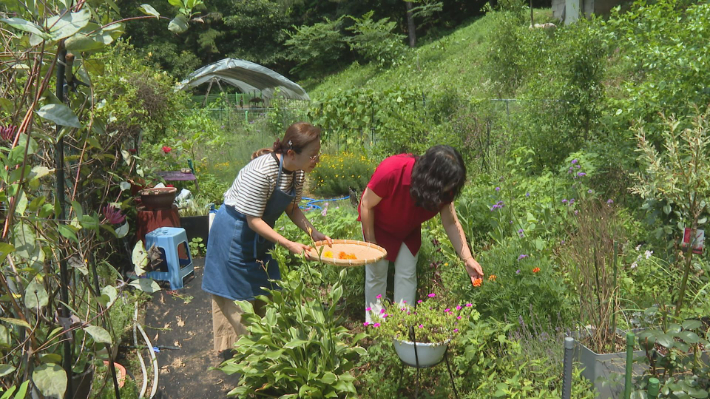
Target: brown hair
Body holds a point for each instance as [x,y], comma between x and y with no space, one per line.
[297,137]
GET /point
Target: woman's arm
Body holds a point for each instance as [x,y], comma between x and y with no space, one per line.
[263,229]
[458,240]
[367,215]
[300,220]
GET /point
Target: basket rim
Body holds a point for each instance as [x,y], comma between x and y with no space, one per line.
[349,262]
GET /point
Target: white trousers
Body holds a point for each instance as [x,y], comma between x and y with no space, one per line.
[405,281]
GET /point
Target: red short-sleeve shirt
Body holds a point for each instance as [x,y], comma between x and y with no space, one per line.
[397,219]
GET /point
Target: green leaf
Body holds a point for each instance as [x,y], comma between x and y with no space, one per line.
[689,337]
[16,322]
[26,26]
[122,231]
[50,379]
[35,295]
[178,24]
[149,10]
[5,249]
[7,105]
[145,285]
[692,324]
[90,222]
[99,334]
[67,232]
[6,369]
[59,114]
[69,24]
[109,293]
[329,378]
[139,258]
[21,203]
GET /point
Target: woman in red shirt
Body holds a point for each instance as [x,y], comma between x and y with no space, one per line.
[404,192]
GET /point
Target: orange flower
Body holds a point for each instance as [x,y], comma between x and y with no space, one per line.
[477,282]
[343,255]
[535,270]
[492,277]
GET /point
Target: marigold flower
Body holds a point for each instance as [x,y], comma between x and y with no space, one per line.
[477,282]
[492,277]
[535,270]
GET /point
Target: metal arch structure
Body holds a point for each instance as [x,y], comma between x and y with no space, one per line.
[247,76]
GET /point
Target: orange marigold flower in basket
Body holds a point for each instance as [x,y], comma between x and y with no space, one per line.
[343,255]
[477,282]
[492,277]
[535,270]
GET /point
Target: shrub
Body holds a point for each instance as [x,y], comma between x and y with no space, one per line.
[375,40]
[319,47]
[340,173]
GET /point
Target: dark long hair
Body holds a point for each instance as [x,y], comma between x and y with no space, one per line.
[437,177]
[297,137]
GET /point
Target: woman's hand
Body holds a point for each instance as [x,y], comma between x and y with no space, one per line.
[474,269]
[297,248]
[318,236]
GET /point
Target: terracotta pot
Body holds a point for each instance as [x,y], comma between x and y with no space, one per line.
[158,198]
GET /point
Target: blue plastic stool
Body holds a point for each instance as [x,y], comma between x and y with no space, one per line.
[169,239]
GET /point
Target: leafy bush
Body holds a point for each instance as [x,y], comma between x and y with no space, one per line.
[318,47]
[431,320]
[279,358]
[340,173]
[375,40]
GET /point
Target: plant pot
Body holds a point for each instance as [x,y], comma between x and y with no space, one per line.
[427,354]
[600,369]
[196,227]
[158,198]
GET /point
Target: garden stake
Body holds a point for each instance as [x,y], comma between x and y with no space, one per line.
[567,374]
[653,388]
[629,363]
[613,302]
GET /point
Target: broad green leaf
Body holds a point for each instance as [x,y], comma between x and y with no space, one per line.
[39,172]
[122,231]
[178,24]
[50,379]
[692,324]
[26,26]
[59,114]
[110,293]
[689,337]
[95,67]
[5,249]
[149,10]
[63,26]
[90,222]
[25,242]
[6,369]
[67,232]
[5,338]
[76,262]
[22,392]
[21,203]
[51,358]
[99,334]
[7,105]
[139,258]
[145,285]
[17,322]
[329,378]
[35,295]
[175,3]
[81,42]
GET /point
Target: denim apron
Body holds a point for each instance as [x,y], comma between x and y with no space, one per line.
[237,264]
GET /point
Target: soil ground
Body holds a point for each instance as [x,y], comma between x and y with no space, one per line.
[183,319]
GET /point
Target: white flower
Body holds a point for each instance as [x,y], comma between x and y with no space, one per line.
[634,265]
[638,247]
[648,254]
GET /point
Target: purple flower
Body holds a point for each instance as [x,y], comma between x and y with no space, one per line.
[456,330]
[590,191]
[325,210]
[574,161]
[610,201]
[527,194]
[571,201]
[580,174]
[113,215]
[564,201]
[522,256]
[517,271]
[576,212]
[497,188]
[521,233]
[578,167]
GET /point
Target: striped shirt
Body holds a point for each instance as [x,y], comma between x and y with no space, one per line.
[256,182]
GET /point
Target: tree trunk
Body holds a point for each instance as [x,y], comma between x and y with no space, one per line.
[410,26]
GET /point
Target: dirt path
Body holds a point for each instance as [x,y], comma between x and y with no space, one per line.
[183,319]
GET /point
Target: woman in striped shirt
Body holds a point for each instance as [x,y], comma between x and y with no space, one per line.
[238,263]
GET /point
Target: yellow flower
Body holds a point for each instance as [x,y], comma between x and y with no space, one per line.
[327,254]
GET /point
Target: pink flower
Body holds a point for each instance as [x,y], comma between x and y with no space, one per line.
[113,215]
[458,317]
[368,309]
[379,296]
[432,295]
[456,330]
[447,310]
[421,326]
[166,149]
[458,307]
[468,305]
[419,301]
[382,311]
[376,325]
[367,323]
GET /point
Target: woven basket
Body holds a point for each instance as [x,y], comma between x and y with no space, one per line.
[365,252]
